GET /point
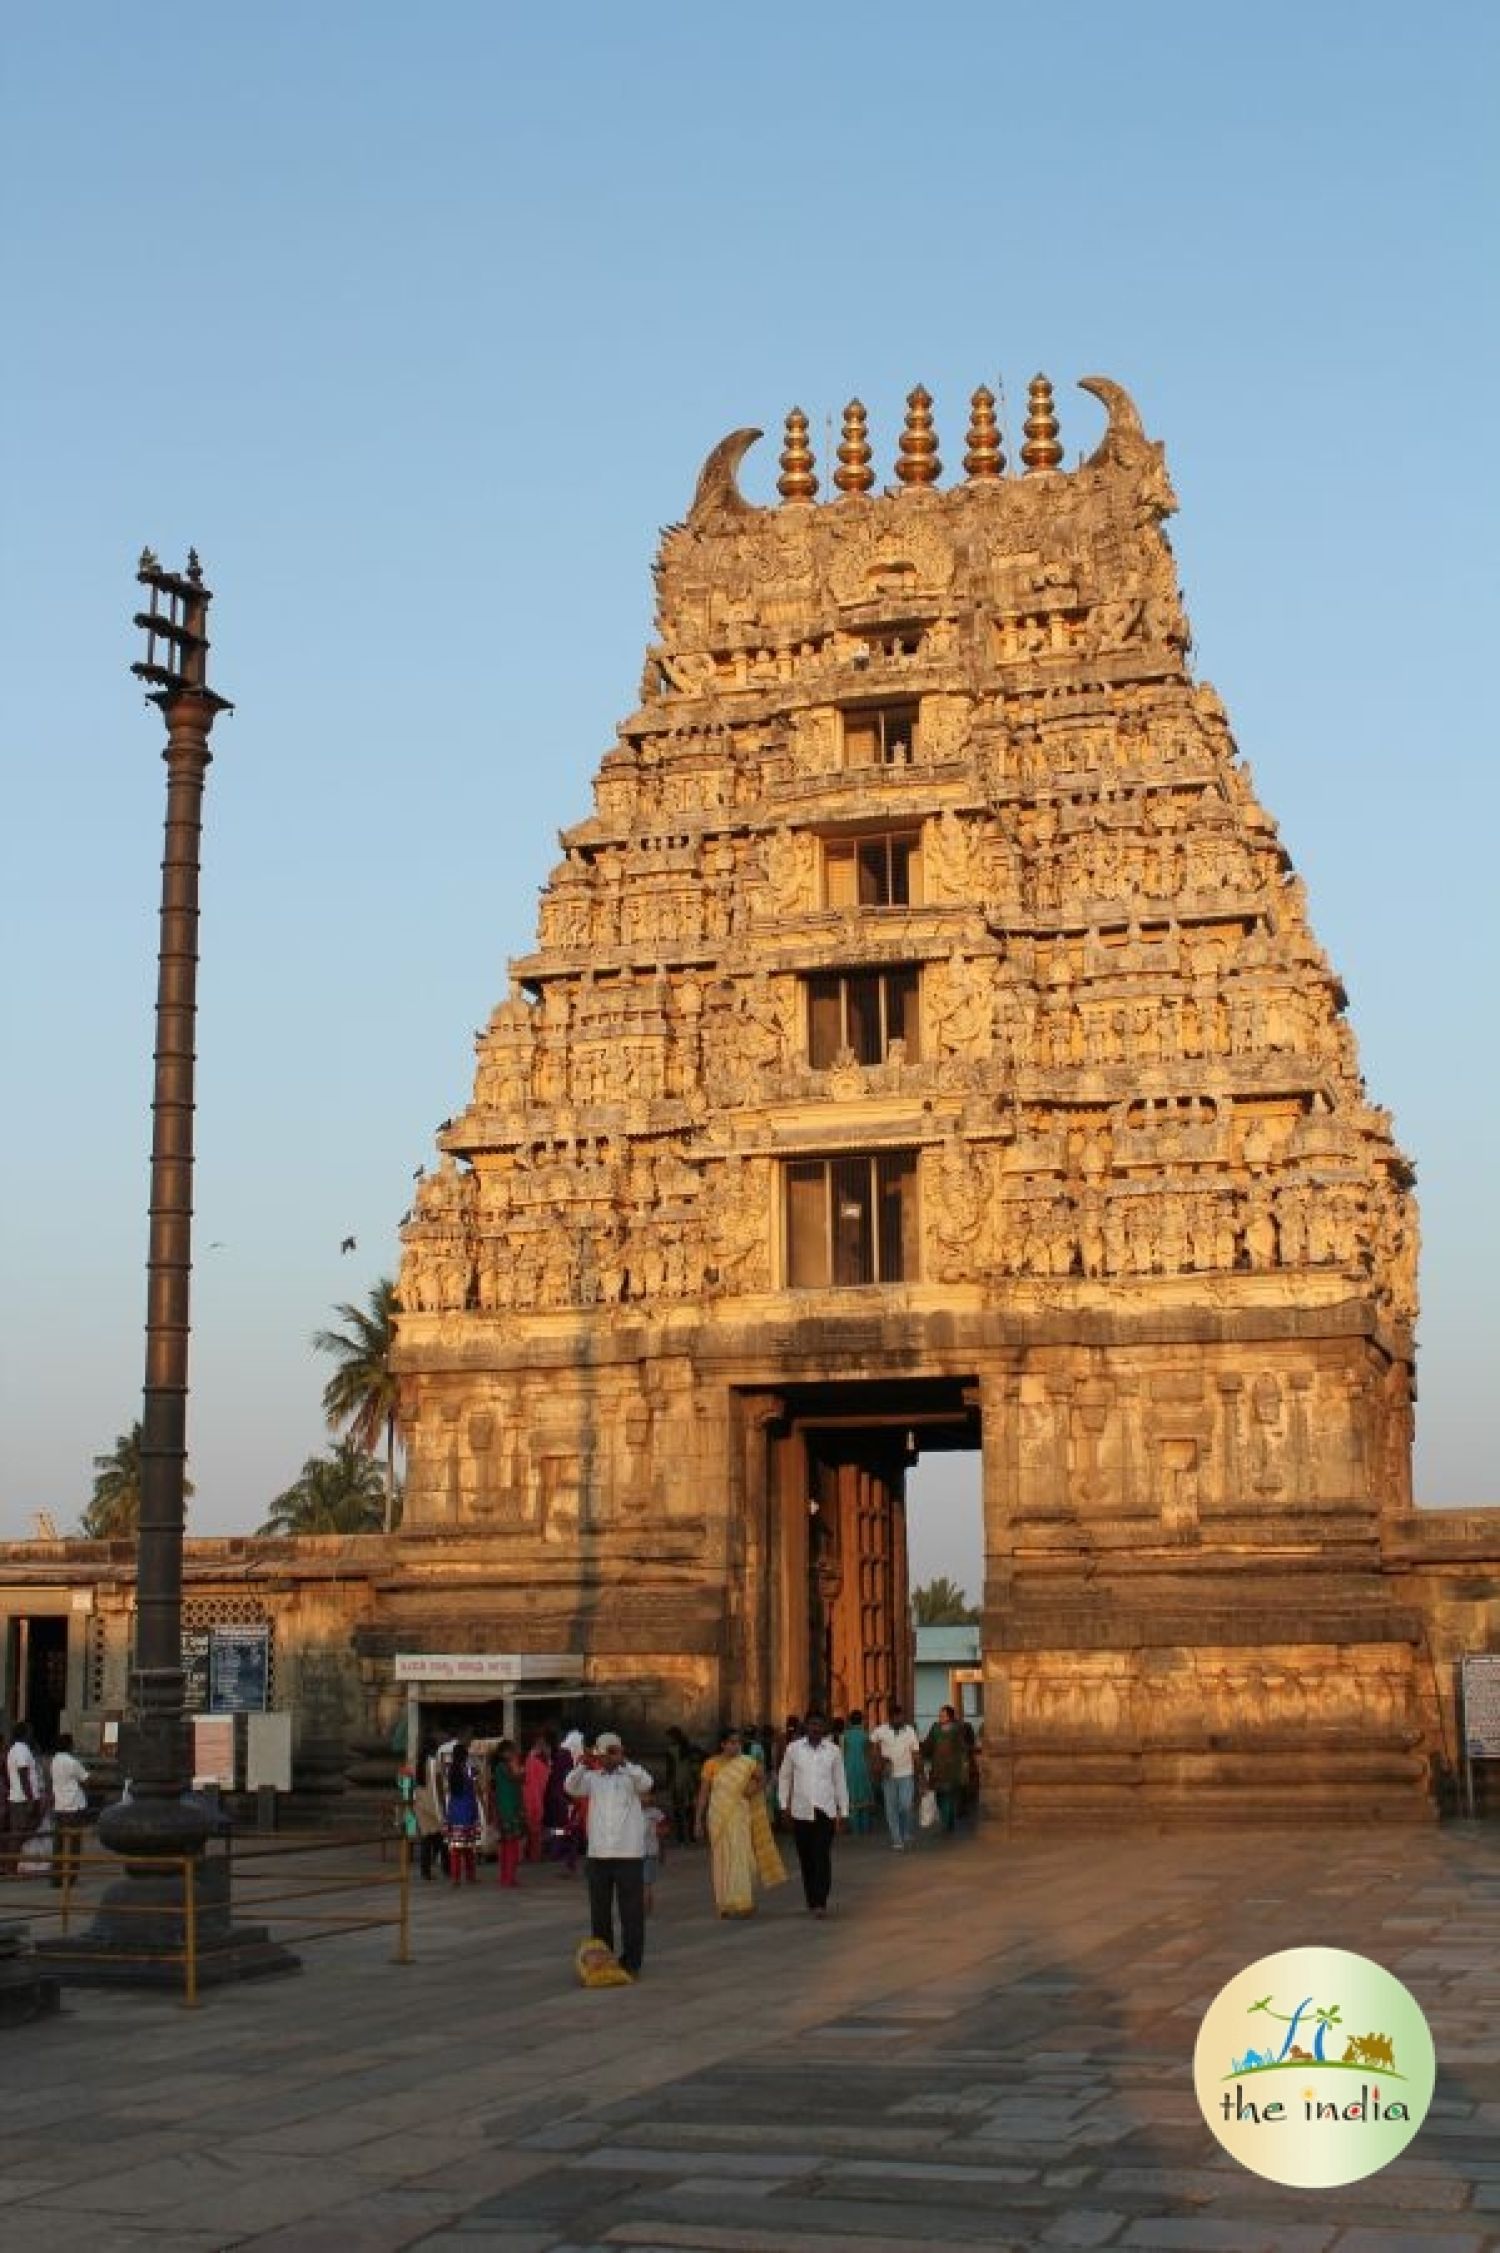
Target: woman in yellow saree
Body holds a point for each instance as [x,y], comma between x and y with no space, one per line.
[732,1811]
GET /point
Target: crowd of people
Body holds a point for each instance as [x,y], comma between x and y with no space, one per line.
[566,1801]
[45,1809]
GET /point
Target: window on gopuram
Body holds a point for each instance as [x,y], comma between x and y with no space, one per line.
[883,871]
[851,1220]
[881,735]
[862,1011]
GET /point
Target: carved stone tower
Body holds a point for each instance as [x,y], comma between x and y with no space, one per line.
[926,1046]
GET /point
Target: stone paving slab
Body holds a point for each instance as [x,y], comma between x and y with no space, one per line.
[989,2045]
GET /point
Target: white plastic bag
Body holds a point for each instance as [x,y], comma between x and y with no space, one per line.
[927,1810]
[35,1858]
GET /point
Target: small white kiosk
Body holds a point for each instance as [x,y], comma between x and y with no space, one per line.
[515,1678]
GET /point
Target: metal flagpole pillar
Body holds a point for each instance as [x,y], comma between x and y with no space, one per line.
[155,1749]
[172,1905]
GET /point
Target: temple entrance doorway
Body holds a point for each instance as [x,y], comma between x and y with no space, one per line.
[839,1557]
[35,1685]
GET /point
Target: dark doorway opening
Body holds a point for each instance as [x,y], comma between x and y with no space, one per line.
[37,1690]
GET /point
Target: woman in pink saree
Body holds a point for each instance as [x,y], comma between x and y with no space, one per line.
[732,1812]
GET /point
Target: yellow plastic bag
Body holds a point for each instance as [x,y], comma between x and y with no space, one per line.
[596,1966]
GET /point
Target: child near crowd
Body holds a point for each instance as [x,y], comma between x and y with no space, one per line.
[658,1823]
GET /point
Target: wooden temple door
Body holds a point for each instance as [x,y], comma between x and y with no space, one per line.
[838,1630]
[860,1611]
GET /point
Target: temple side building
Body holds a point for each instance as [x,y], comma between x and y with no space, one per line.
[925,1046]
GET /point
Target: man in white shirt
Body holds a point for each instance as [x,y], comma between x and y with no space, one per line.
[814,1790]
[614,1789]
[900,1751]
[70,1811]
[23,1796]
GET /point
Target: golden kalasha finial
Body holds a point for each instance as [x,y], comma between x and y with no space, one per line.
[917,463]
[1041,450]
[854,474]
[796,482]
[984,457]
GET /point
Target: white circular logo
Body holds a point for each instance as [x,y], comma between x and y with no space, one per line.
[1314,2067]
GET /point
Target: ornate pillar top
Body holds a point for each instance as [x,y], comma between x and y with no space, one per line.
[917,462]
[984,457]
[1042,449]
[797,481]
[854,474]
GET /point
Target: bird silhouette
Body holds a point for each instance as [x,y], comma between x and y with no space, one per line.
[347,1245]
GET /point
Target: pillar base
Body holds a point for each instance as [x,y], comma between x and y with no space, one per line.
[140,1931]
[28,1989]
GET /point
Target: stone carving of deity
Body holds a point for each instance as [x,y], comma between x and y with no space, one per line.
[760,1025]
[963,1007]
[790,862]
[950,855]
[960,1217]
[740,1244]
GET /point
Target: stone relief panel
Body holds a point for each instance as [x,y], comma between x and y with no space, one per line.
[1190,1696]
[1187,1438]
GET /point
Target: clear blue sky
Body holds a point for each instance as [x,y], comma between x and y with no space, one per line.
[419,323]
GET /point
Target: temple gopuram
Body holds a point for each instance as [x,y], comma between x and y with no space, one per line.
[926,1045]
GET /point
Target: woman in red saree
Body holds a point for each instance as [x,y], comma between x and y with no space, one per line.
[538,1773]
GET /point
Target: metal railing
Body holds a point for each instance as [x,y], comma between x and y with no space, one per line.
[336,1896]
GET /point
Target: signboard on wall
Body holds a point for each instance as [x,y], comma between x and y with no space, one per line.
[195,1670]
[239,1669]
[268,1751]
[213,1750]
[1481,1688]
[486,1666]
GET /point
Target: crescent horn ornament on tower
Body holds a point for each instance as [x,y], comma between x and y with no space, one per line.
[718,492]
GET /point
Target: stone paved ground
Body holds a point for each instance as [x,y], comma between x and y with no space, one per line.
[988,2045]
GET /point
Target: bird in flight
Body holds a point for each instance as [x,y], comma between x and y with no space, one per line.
[347,1245]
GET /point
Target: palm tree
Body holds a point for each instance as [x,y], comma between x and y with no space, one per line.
[114,1514]
[361,1397]
[340,1492]
[942,1603]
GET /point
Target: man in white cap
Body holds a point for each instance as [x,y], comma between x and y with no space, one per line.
[614,1789]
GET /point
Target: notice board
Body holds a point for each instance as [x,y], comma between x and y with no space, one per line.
[239,1669]
[195,1670]
[268,1751]
[213,1750]
[1481,1688]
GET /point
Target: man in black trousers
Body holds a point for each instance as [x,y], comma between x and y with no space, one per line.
[615,1868]
[812,1787]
